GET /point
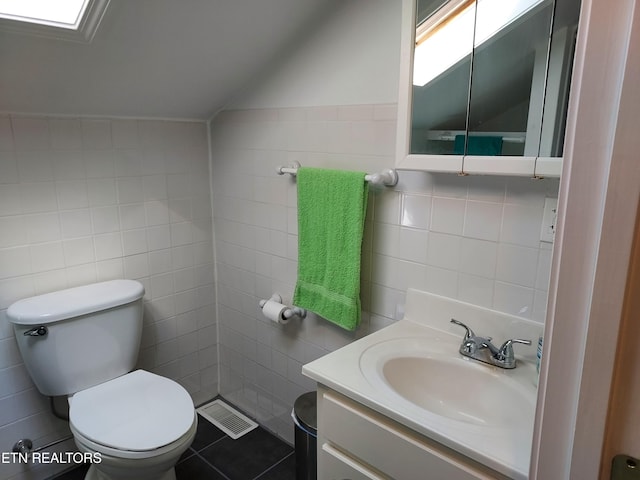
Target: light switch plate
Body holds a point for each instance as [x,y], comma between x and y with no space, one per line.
[549,218]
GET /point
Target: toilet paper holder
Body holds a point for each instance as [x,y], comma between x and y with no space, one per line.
[289,312]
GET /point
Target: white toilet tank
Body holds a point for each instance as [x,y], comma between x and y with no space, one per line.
[74,339]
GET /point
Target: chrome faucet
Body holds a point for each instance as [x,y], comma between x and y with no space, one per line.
[481,348]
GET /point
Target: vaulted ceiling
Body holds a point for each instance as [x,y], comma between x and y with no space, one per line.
[155,58]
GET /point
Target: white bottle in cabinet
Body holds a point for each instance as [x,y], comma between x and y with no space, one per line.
[356,443]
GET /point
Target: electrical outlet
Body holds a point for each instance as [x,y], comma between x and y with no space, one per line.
[549,218]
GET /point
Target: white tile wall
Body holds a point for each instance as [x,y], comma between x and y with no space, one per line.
[471,238]
[85,200]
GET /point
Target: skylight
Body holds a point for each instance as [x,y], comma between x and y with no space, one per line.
[75,20]
[61,13]
[447,36]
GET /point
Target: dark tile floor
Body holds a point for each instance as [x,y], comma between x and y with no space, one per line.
[258,455]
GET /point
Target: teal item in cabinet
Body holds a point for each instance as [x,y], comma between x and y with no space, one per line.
[489,146]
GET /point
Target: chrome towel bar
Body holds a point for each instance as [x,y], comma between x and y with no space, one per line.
[388,177]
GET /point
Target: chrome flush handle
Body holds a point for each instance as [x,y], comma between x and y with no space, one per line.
[40,331]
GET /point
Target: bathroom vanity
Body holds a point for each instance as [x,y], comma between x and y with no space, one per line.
[402,403]
[357,442]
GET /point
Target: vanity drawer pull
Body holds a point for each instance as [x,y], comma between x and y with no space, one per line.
[339,466]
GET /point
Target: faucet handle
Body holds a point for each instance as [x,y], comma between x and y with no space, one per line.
[506,350]
[469,333]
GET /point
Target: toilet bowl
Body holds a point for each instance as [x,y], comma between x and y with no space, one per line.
[137,426]
[83,343]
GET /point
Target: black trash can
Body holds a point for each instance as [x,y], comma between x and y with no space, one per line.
[305,417]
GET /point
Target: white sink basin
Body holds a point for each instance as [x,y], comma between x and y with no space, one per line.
[431,375]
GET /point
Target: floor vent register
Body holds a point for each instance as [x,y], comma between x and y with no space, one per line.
[227,419]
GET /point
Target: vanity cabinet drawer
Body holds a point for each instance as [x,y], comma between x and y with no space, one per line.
[388,447]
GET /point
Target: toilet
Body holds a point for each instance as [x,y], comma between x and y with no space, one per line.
[83,342]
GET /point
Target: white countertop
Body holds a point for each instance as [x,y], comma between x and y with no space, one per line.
[505,449]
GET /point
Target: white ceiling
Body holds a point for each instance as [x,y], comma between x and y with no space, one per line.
[155,58]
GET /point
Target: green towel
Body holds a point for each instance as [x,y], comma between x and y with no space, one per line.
[331,210]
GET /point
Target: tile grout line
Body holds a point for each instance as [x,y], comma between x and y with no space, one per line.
[197,454]
[274,465]
[211,465]
[211,444]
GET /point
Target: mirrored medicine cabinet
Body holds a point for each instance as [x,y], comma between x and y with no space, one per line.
[484,85]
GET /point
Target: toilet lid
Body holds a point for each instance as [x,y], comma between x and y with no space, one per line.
[137,412]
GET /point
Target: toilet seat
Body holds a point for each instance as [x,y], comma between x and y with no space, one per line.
[134,416]
[181,444]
